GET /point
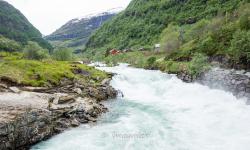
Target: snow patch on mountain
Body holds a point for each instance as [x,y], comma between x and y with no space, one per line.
[89,16]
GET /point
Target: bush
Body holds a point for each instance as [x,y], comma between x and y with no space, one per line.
[63,54]
[33,51]
[208,46]
[151,61]
[198,30]
[198,64]
[244,22]
[9,45]
[240,46]
[170,40]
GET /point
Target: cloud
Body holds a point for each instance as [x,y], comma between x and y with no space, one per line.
[49,15]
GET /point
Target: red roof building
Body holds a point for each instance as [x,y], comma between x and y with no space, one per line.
[114,52]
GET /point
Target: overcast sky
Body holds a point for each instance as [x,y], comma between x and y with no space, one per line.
[49,15]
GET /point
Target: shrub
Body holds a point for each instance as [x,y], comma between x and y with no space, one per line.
[197,30]
[240,46]
[33,51]
[198,64]
[9,45]
[244,22]
[63,54]
[170,40]
[151,61]
[208,46]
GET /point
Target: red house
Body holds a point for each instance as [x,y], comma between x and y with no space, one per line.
[114,52]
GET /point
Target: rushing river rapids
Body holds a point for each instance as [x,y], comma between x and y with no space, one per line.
[160,112]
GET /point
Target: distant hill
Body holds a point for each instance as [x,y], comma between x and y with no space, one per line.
[76,32]
[142,23]
[14,25]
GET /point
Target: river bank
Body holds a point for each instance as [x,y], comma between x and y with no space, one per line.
[217,72]
[32,114]
[231,80]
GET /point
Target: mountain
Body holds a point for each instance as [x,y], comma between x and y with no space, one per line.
[142,23]
[76,32]
[14,25]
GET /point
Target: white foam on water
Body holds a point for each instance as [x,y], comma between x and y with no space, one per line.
[160,112]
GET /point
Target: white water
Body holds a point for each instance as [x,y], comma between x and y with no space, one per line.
[160,112]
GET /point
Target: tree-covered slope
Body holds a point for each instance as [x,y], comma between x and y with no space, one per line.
[76,32]
[142,23]
[15,26]
[191,47]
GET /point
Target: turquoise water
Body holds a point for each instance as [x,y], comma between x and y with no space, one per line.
[160,112]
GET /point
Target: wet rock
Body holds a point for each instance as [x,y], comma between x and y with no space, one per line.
[3,86]
[102,93]
[185,77]
[106,82]
[77,90]
[75,123]
[34,89]
[66,99]
[81,72]
[15,89]
[237,82]
[111,92]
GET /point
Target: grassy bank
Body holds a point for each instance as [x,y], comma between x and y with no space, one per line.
[152,60]
[46,72]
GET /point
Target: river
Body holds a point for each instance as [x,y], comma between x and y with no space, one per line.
[160,112]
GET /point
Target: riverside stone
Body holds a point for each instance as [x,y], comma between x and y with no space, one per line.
[15,89]
[66,99]
[237,82]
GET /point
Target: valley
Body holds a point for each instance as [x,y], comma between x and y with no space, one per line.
[168,74]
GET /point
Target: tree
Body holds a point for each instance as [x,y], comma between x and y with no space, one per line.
[244,22]
[9,45]
[63,54]
[151,61]
[240,46]
[33,51]
[170,40]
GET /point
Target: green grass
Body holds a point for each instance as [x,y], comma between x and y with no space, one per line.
[194,67]
[45,73]
[137,58]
